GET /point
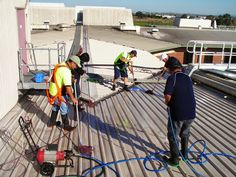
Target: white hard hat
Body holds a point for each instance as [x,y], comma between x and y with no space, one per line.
[164,57]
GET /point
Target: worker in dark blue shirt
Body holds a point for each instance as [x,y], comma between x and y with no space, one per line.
[179,97]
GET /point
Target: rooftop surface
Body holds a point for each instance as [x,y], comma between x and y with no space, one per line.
[130,39]
[182,35]
[122,126]
[167,37]
[126,125]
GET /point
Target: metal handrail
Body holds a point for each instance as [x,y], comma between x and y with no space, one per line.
[61,55]
[223,27]
[193,44]
[112,65]
[32,54]
[61,52]
[199,47]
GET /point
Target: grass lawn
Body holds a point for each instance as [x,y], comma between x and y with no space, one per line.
[147,21]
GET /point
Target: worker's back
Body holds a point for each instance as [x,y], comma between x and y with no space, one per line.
[182,103]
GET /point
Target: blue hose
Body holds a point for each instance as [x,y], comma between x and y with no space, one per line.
[201,155]
[202,158]
[153,157]
[145,161]
[176,143]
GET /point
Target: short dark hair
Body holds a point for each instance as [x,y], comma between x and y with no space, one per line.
[134,52]
[173,63]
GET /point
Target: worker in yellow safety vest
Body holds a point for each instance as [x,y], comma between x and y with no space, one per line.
[60,90]
[121,63]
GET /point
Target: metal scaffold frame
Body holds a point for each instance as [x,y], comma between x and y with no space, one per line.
[28,84]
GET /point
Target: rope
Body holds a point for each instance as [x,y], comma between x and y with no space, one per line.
[144,67]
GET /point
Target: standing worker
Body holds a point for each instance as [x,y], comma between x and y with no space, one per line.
[120,67]
[60,90]
[179,97]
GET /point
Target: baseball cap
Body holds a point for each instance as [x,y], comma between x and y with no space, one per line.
[76,60]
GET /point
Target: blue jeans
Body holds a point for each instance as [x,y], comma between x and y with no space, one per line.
[180,128]
[63,106]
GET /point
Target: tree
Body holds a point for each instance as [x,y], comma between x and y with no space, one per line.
[225,19]
[139,14]
[210,17]
[184,16]
[234,22]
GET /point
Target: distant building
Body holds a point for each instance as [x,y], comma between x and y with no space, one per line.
[193,23]
[44,14]
[168,16]
[165,16]
[105,16]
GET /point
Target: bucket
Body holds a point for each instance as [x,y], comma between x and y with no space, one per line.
[39,77]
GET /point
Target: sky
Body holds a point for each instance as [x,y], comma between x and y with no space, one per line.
[205,7]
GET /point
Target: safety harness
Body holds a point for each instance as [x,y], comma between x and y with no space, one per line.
[51,99]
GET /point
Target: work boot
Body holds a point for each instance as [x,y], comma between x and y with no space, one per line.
[174,155]
[126,88]
[171,161]
[65,122]
[184,147]
[52,120]
[113,87]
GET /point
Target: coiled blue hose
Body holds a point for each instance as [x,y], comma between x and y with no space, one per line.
[202,159]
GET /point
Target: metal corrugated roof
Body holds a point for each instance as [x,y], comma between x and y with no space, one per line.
[123,126]
[126,125]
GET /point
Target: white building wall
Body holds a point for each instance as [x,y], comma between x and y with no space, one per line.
[39,4]
[52,14]
[92,15]
[27,23]
[107,16]
[9,75]
[193,23]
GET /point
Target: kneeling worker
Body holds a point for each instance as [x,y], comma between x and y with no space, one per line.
[60,90]
[120,67]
